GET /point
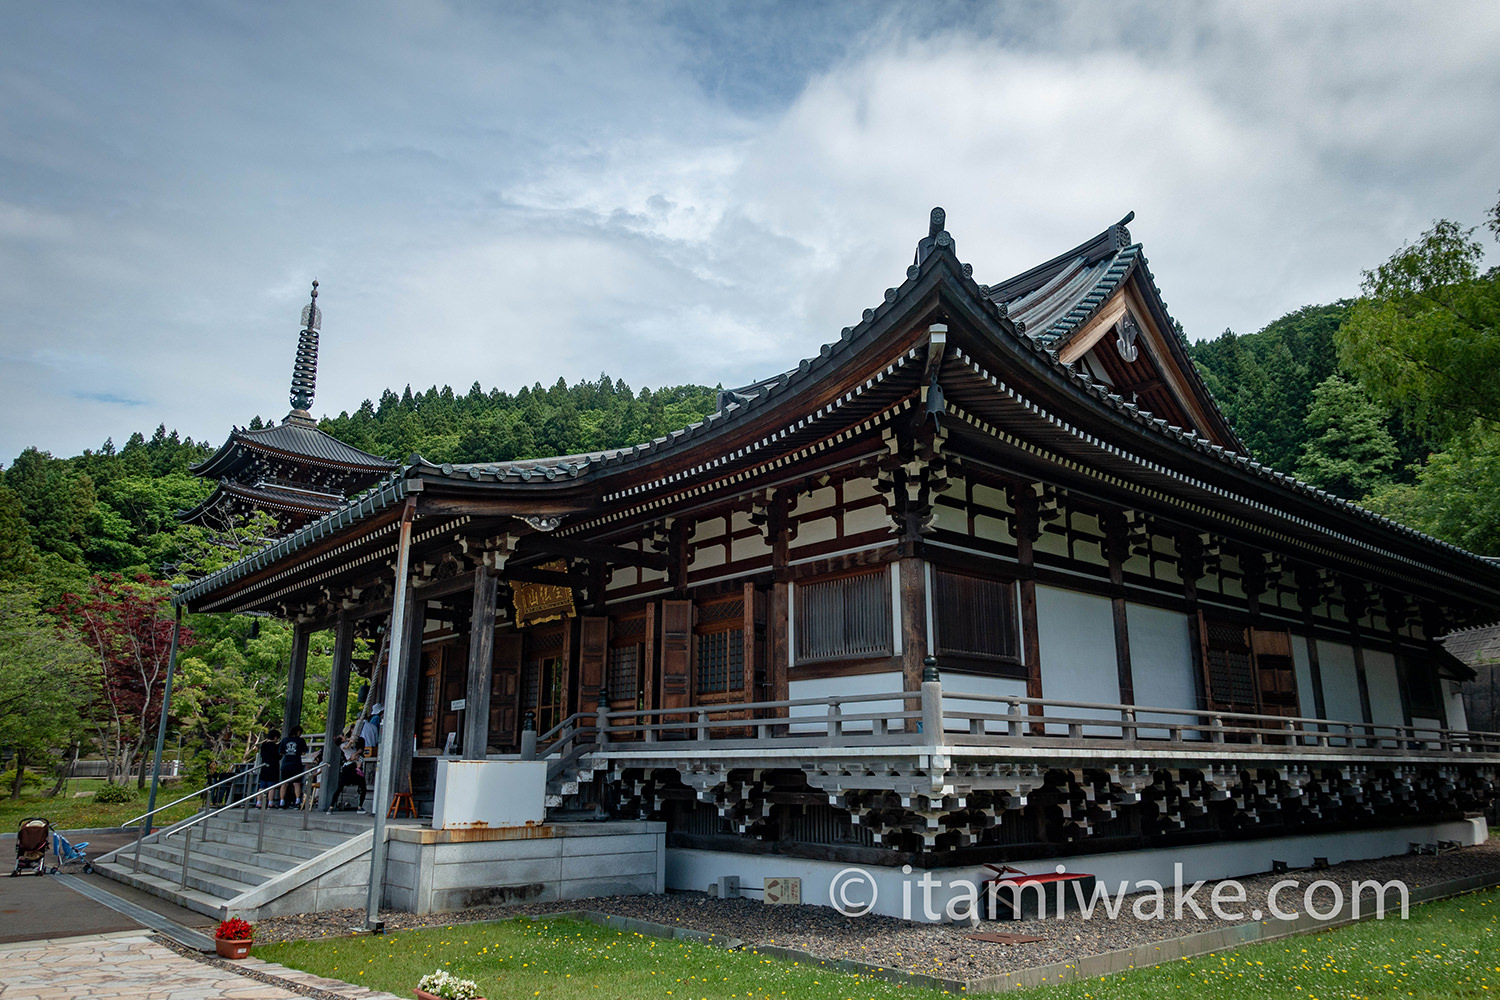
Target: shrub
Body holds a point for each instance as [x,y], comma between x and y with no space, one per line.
[112,794]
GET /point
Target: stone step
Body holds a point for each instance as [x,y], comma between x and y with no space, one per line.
[280,840]
[239,855]
[189,898]
[219,886]
[247,868]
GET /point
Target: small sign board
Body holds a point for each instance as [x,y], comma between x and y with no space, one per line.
[458,704]
[780,891]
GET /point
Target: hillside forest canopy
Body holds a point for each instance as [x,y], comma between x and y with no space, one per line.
[1384,400]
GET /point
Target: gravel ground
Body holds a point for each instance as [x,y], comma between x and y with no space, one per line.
[936,949]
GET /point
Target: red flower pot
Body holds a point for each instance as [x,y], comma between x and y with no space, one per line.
[230,948]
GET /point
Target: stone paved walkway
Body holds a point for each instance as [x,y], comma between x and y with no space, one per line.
[131,966]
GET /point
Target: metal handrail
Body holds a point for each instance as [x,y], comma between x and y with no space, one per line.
[248,798]
[191,795]
[260,839]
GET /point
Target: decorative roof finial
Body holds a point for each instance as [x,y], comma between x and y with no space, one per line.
[937,236]
[305,366]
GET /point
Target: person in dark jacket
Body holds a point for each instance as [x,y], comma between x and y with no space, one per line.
[270,768]
[293,749]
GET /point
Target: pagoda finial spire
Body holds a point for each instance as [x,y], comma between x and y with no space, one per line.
[305,366]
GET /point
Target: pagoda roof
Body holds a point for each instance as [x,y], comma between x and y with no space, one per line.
[1000,382]
[271,497]
[290,439]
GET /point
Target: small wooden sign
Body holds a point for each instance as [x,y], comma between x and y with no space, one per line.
[783,891]
[997,938]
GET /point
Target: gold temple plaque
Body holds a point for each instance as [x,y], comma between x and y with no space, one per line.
[542,602]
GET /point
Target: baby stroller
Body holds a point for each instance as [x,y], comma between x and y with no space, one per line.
[31,846]
[67,853]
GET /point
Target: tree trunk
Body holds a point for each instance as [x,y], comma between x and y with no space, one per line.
[15,785]
[64,769]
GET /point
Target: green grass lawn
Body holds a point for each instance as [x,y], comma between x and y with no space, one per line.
[567,959]
[1449,948]
[69,813]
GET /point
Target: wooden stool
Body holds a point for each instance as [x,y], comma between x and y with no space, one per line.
[402,800]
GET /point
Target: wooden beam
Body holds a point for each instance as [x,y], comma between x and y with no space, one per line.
[528,574]
[543,543]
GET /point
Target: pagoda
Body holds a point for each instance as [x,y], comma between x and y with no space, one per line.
[292,471]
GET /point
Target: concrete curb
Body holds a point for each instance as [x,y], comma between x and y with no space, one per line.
[96,831]
[1088,967]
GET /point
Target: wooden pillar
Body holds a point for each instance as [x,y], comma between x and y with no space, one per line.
[912,584]
[296,678]
[1310,597]
[1116,548]
[778,634]
[338,707]
[401,718]
[476,734]
[1356,604]
[1027,528]
[1189,548]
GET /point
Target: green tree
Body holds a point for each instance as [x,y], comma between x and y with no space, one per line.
[18,557]
[1456,496]
[46,682]
[1425,340]
[1349,452]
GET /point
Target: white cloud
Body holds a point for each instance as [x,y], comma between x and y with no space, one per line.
[510,196]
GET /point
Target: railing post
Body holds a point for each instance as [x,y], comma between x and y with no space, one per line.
[1127,723]
[835,734]
[260,834]
[601,718]
[528,737]
[932,701]
[702,725]
[1216,728]
[1015,715]
[187,848]
[138,854]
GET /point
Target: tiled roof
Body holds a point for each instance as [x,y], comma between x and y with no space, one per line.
[1476,646]
[295,440]
[1097,258]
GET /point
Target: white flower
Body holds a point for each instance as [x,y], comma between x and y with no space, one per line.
[449,987]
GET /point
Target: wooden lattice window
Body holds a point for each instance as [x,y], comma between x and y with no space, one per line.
[845,618]
[1228,667]
[975,621]
[720,638]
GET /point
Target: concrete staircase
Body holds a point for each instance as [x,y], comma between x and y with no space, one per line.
[307,862]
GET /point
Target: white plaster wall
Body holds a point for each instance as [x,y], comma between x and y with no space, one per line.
[1457,718]
[1161,663]
[955,684]
[950,519]
[865,519]
[825,688]
[901,895]
[1384,687]
[1302,666]
[749,547]
[1077,637]
[822,530]
[1340,683]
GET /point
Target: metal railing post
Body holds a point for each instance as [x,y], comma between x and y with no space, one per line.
[260,836]
[601,720]
[932,701]
[528,737]
[187,849]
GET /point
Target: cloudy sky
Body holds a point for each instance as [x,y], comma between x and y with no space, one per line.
[698,192]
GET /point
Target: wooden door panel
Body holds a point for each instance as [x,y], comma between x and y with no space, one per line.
[676,658]
[505,692]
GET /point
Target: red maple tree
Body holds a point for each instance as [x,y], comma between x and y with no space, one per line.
[128,624]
